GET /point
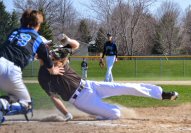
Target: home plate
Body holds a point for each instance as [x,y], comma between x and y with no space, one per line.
[100,123]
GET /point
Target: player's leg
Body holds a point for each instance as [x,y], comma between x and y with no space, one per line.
[82,73]
[86,73]
[107,89]
[12,83]
[109,61]
[111,77]
[88,101]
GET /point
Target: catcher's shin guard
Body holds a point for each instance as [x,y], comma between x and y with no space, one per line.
[4,105]
[29,111]
[17,108]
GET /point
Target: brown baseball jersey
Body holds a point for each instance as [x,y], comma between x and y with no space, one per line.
[62,85]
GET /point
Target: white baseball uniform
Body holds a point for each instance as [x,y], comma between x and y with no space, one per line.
[90,98]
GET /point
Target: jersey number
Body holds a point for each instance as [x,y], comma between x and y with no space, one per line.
[22,38]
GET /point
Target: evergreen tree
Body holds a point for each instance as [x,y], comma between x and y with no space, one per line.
[45,29]
[157,47]
[14,21]
[100,40]
[83,32]
[4,22]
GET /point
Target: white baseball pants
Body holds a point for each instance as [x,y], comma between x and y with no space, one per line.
[84,73]
[89,100]
[11,81]
[110,60]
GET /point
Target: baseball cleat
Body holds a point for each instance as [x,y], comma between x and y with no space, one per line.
[68,117]
[170,95]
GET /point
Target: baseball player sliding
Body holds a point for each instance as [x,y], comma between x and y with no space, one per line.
[87,95]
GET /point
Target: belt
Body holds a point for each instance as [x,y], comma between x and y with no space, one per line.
[77,92]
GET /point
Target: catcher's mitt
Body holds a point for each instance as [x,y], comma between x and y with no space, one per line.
[101,63]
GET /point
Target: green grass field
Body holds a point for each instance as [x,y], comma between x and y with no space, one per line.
[130,70]
[42,101]
[126,70]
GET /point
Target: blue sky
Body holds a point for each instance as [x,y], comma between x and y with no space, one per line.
[78,4]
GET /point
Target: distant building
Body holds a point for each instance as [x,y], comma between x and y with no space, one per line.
[92,49]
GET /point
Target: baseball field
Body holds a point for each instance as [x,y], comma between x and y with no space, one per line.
[138,114]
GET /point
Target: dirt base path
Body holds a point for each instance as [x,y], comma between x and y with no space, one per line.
[142,120]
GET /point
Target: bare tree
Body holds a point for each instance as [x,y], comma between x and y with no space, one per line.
[103,9]
[186,33]
[50,7]
[168,26]
[65,18]
[127,22]
[60,14]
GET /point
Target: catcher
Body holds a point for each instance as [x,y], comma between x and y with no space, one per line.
[15,54]
[87,95]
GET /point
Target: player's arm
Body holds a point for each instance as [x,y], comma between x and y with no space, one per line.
[116,51]
[60,106]
[64,39]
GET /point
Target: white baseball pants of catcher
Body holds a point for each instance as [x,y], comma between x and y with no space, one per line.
[110,60]
[89,100]
[11,81]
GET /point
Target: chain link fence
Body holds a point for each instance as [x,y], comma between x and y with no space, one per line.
[129,67]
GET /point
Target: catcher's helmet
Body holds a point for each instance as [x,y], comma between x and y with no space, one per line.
[60,53]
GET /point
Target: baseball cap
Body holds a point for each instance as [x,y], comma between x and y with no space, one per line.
[45,41]
[109,34]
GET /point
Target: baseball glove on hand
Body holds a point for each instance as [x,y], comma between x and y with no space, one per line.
[101,63]
[64,39]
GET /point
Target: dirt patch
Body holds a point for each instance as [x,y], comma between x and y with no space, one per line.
[148,120]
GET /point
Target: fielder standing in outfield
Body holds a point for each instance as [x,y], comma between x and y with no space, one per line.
[84,67]
[87,95]
[16,53]
[110,50]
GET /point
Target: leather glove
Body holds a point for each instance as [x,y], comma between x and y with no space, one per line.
[63,38]
[101,63]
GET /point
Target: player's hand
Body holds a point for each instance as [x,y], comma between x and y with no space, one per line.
[55,70]
[68,117]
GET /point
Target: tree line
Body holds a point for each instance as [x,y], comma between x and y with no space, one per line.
[135,29]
